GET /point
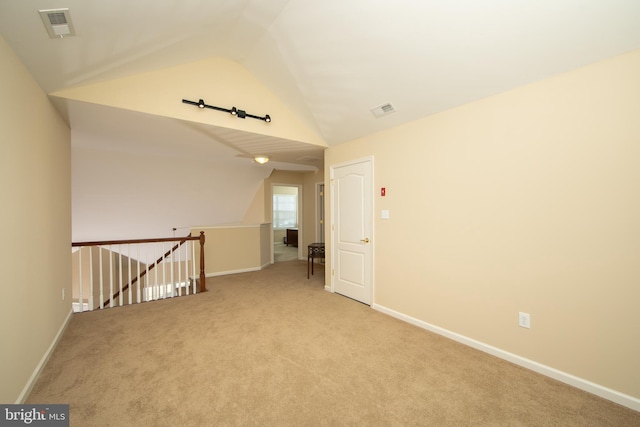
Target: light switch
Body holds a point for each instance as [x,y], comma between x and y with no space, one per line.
[384,214]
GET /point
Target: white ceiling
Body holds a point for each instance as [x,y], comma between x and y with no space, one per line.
[331,61]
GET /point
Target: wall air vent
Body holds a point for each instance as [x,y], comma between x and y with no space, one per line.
[383,110]
[57,22]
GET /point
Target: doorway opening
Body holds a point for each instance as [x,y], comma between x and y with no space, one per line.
[286,205]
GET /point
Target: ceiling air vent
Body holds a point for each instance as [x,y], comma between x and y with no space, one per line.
[383,110]
[57,22]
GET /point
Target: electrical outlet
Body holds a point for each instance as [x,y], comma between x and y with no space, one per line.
[524,320]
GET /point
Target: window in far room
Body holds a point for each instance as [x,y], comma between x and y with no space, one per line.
[285,207]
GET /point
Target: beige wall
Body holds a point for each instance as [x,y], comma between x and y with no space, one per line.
[36,216]
[265,244]
[158,92]
[143,184]
[526,201]
[234,249]
[256,212]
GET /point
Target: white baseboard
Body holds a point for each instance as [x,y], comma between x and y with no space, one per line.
[43,361]
[76,307]
[577,382]
[242,270]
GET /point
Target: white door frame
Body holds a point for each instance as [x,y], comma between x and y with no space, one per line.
[320,212]
[333,216]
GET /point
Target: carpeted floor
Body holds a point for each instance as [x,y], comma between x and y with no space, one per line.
[282,252]
[272,348]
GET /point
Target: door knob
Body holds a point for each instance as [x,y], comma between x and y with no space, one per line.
[365,240]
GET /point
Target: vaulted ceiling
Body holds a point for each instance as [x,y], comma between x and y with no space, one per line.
[329,61]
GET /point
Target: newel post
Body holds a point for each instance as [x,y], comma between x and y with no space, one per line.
[203,279]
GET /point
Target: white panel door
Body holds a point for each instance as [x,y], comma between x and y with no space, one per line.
[352,215]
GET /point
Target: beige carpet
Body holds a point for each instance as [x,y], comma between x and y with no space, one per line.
[282,252]
[272,348]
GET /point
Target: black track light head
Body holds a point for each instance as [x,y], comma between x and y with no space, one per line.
[201,103]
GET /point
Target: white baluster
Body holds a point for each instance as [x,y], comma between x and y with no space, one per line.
[155,288]
[110,276]
[138,281]
[90,278]
[145,294]
[164,269]
[80,279]
[178,265]
[193,263]
[129,273]
[179,286]
[120,296]
[186,265]
[101,279]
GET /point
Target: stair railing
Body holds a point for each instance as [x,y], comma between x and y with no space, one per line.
[141,283]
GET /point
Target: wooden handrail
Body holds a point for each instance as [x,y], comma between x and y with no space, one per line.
[180,240]
[116,242]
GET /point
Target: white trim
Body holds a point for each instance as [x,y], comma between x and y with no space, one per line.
[241,270]
[320,212]
[580,383]
[43,361]
[225,226]
[75,307]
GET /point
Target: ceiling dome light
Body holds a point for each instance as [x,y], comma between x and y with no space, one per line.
[261,159]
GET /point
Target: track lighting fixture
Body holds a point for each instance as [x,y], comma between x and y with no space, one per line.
[233,111]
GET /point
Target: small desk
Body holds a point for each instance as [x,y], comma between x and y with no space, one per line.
[292,237]
[316,250]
